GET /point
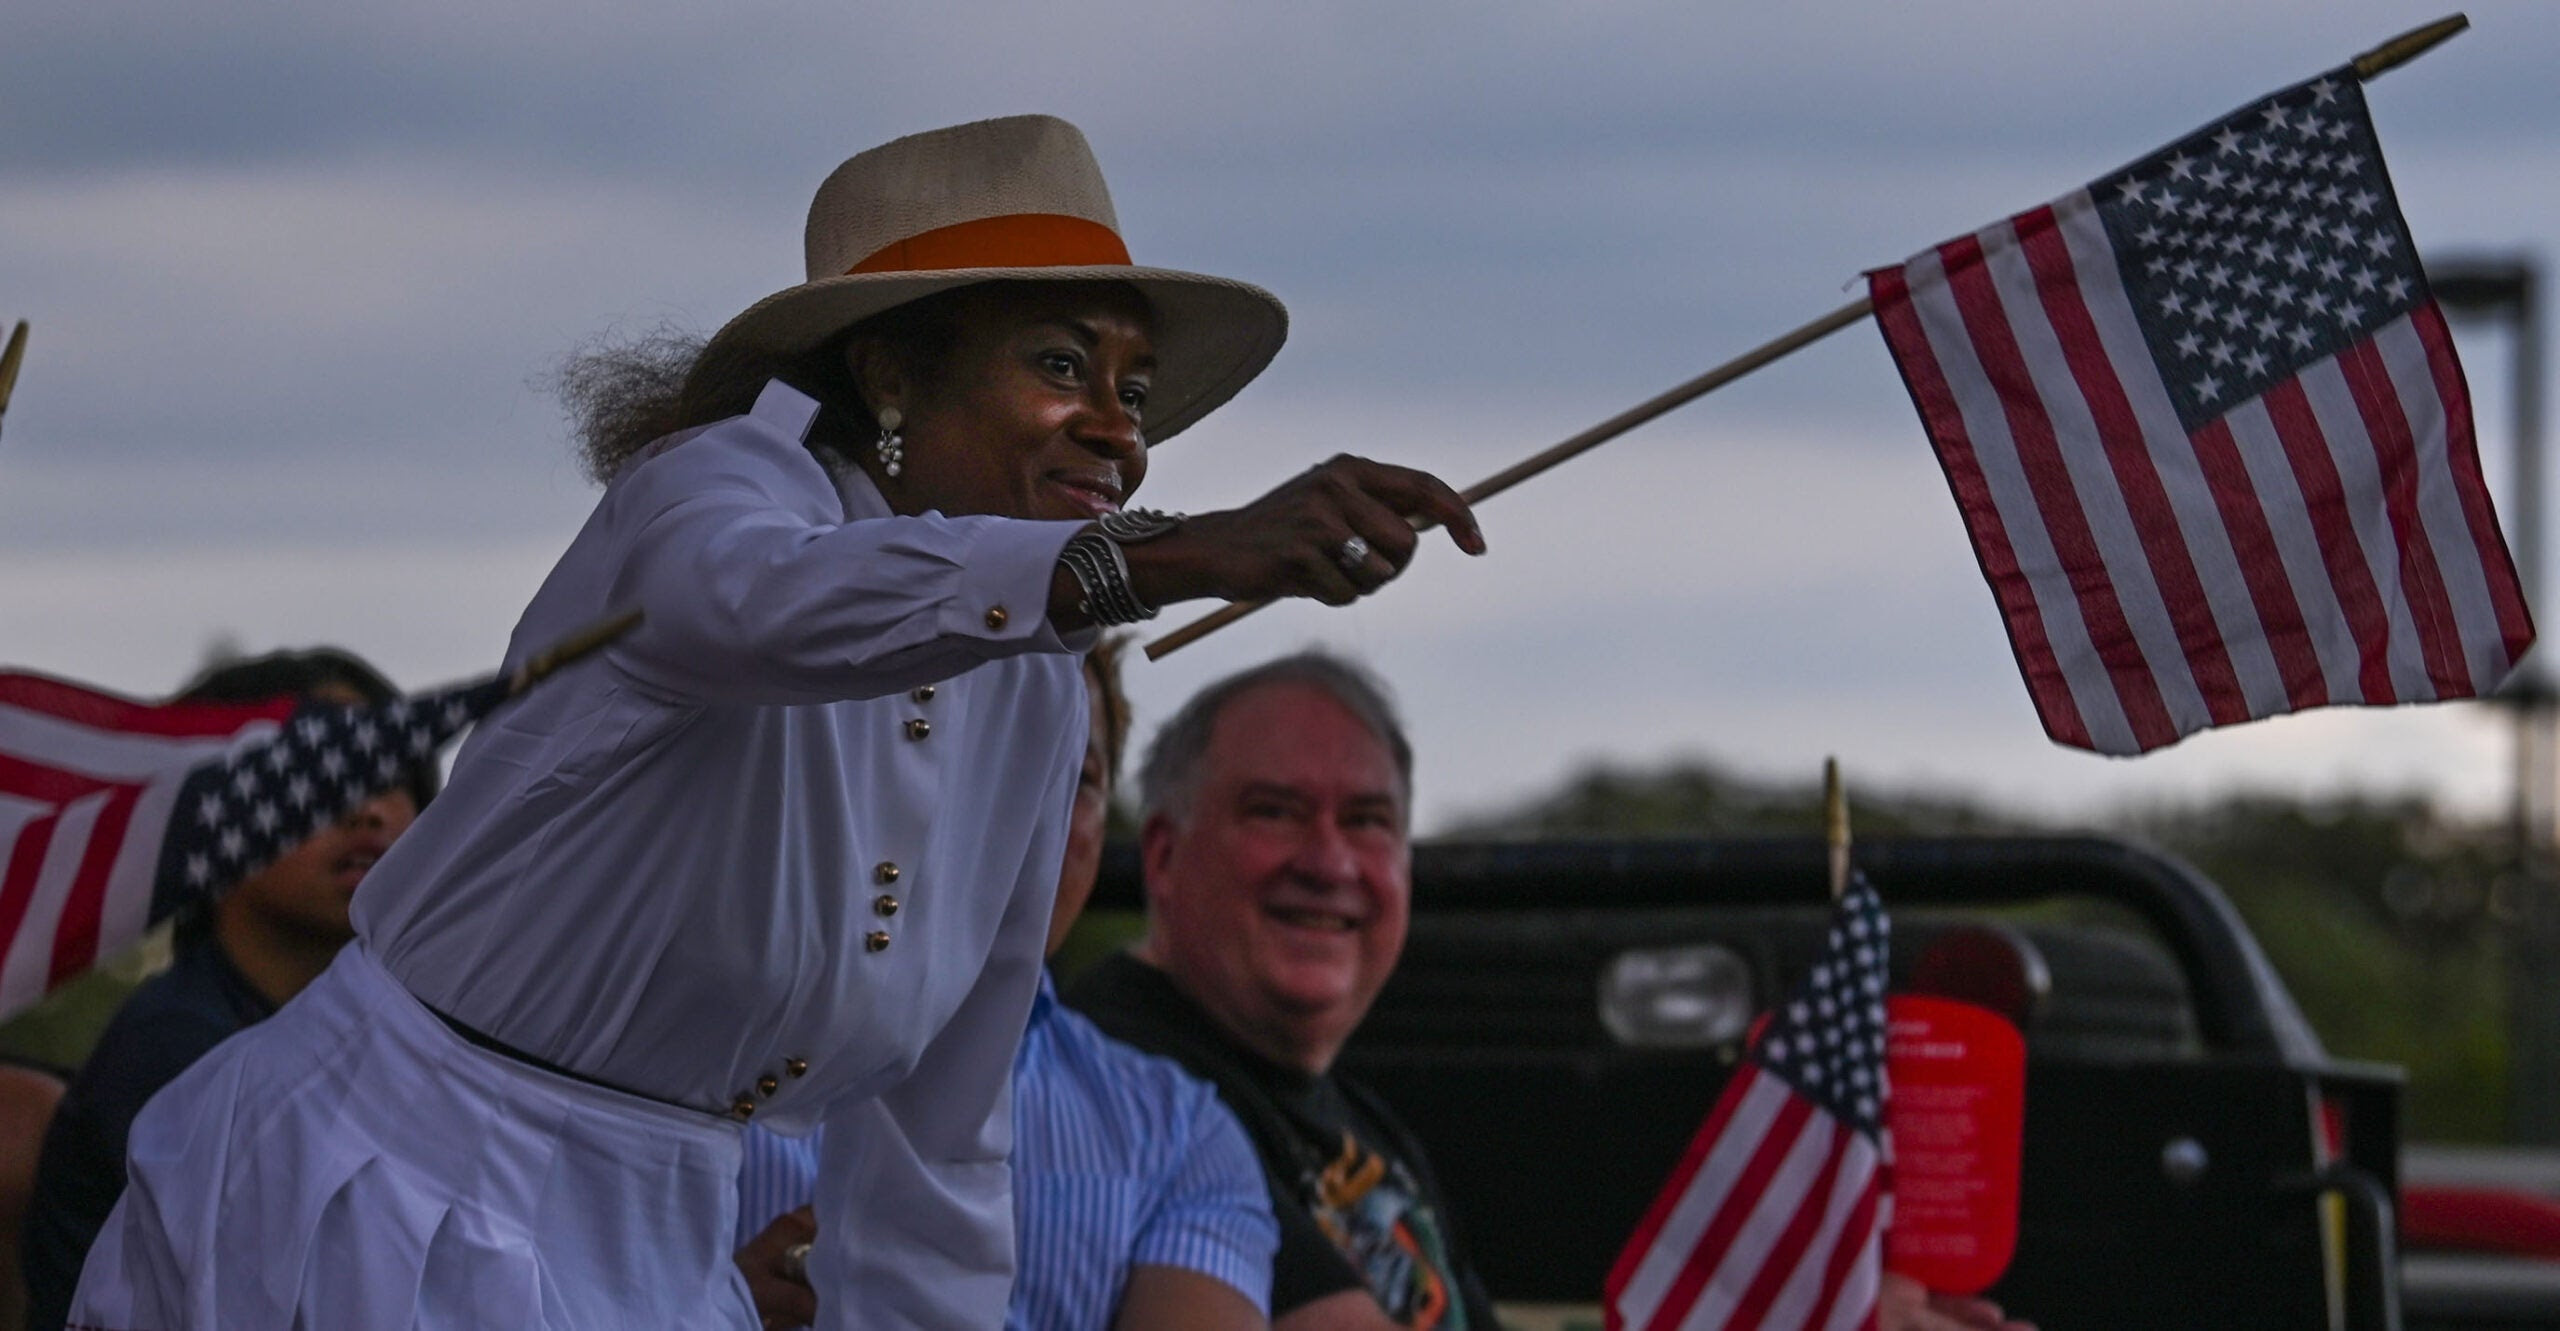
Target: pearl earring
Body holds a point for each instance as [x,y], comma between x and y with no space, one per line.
[890,449]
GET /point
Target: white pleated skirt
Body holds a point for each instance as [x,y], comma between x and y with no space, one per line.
[352,1163]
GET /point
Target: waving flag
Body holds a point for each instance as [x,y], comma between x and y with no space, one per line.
[2205,426]
[1776,1214]
[113,812]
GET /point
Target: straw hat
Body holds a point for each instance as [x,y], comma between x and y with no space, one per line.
[1019,197]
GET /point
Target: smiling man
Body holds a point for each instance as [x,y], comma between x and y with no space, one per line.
[1279,886]
[1278,889]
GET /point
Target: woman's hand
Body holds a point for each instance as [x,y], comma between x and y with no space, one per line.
[777,1280]
[1334,533]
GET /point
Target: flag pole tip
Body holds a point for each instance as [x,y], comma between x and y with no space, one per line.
[1835,826]
[9,362]
[2409,45]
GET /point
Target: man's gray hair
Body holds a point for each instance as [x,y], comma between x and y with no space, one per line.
[1171,776]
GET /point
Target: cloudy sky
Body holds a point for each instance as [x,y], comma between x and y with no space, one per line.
[297,270]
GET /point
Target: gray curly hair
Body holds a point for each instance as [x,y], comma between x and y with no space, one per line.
[1171,777]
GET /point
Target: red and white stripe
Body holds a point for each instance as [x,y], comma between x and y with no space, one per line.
[2329,541]
[1775,1219]
[88,783]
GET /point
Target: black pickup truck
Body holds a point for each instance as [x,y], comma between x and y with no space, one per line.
[1566,1013]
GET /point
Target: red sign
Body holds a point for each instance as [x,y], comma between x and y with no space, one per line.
[1957,1104]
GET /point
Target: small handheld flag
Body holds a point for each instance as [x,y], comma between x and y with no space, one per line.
[1775,1216]
[2205,427]
[236,814]
[115,813]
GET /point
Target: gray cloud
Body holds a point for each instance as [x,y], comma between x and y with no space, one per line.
[293,268]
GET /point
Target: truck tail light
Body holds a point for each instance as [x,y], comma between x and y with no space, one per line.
[2328,1127]
[1988,965]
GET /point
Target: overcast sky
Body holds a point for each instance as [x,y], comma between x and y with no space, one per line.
[296,272]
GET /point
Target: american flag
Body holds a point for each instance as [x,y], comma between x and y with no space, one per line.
[2205,426]
[1776,1214]
[113,813]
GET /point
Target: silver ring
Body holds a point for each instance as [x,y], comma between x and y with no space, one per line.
[1352,555]
[795,1262]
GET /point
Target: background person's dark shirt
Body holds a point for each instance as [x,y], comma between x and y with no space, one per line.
[174,1019]
[1357,1203]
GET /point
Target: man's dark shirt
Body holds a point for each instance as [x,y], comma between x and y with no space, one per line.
[174,1019]
[1357,1203]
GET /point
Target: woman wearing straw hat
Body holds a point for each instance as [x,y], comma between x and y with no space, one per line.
[785,851]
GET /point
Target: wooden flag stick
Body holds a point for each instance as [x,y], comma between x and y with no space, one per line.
[570,648]
[1835,826]
[1579,444]
[2409,45]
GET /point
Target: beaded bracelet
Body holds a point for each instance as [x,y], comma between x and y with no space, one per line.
[1103,575]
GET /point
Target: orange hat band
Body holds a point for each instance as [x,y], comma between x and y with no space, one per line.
[1015,240]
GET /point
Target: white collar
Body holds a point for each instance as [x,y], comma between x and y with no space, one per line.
[792,412]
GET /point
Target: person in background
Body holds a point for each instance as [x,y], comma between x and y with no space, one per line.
[237,962]
[1279,888]
[1138,1204]
[28,1094]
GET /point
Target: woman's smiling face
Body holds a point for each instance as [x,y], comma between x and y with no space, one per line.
[1037,409]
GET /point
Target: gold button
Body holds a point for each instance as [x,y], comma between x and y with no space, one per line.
[924,694]
[768,1085]
[884,905]
[918,727]
[797,1067]
[996,617]
[744,1108]
[886,871]
[876,941]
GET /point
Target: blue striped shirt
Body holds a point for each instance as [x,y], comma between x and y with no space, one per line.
[1120,1159]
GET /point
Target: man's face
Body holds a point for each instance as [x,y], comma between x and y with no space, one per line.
[306,892]
[1279,902]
